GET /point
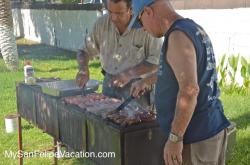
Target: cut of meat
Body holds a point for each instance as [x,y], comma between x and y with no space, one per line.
[126,118]
[104,106]
[96,103]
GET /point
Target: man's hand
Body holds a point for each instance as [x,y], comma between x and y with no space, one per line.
[138,88]
[82,77]
[122,79]
[173,153]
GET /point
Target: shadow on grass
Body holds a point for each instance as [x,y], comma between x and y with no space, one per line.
[242,121]
[95,64]
[44,52]
[83,161]
[27,126]
[56,69]
[241,152]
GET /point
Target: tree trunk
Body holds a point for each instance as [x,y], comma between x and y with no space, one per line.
[8,45]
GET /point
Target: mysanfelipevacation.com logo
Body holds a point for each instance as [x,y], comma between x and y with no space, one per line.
[64,154]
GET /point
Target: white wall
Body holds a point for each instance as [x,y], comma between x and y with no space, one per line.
[62,28]
[229,29]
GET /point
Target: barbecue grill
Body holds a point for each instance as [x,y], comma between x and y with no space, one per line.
[82,130]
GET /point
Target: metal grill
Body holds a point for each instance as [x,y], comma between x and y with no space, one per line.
[83,130]
[26,102]
[72,126]
[46,114]
[135,144]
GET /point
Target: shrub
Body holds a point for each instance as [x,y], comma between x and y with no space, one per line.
[227,70]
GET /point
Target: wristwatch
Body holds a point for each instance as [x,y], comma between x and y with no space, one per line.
[175,138]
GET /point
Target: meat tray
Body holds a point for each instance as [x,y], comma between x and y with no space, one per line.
[67,88]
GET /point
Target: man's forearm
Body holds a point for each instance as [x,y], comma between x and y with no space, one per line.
[151,79]
[82,59]
[185,106]
[142,69]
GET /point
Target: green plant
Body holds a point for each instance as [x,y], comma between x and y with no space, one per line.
[222,70]
[233,63]
[245,72]
[229,69]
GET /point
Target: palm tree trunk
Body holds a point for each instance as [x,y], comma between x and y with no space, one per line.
[8,45]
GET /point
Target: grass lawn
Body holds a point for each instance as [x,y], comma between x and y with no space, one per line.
[52,62]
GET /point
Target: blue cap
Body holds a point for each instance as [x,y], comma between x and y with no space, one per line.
[137,8]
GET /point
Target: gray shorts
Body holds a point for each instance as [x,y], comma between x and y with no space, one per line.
[207,152]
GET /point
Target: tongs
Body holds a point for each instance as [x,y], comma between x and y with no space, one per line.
[125,103]
[122,105]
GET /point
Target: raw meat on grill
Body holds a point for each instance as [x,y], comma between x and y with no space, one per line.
[98,104]
[91,100]
[104,106]
[130,117]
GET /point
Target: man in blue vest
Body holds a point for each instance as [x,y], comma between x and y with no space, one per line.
[187,96]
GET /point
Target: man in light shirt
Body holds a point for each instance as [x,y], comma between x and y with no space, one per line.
[125,54]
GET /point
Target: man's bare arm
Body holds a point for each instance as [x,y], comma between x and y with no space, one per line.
[181,56]
[82,59]
[141,69]
[139,87]
[82,76]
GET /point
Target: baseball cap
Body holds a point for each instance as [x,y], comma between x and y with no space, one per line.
[137,8]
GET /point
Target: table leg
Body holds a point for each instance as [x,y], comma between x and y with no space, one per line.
[20,140]
[55,150]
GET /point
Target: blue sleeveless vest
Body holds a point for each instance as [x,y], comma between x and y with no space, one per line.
[208,118]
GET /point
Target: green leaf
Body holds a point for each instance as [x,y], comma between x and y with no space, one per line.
[246,83]
[230,75]
[243,71]
[236,62]
[223,74]
[248,69]
[222,60]
[233,62]
[243,61]
[218,68]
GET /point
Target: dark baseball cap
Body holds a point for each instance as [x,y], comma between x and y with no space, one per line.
[137,8]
